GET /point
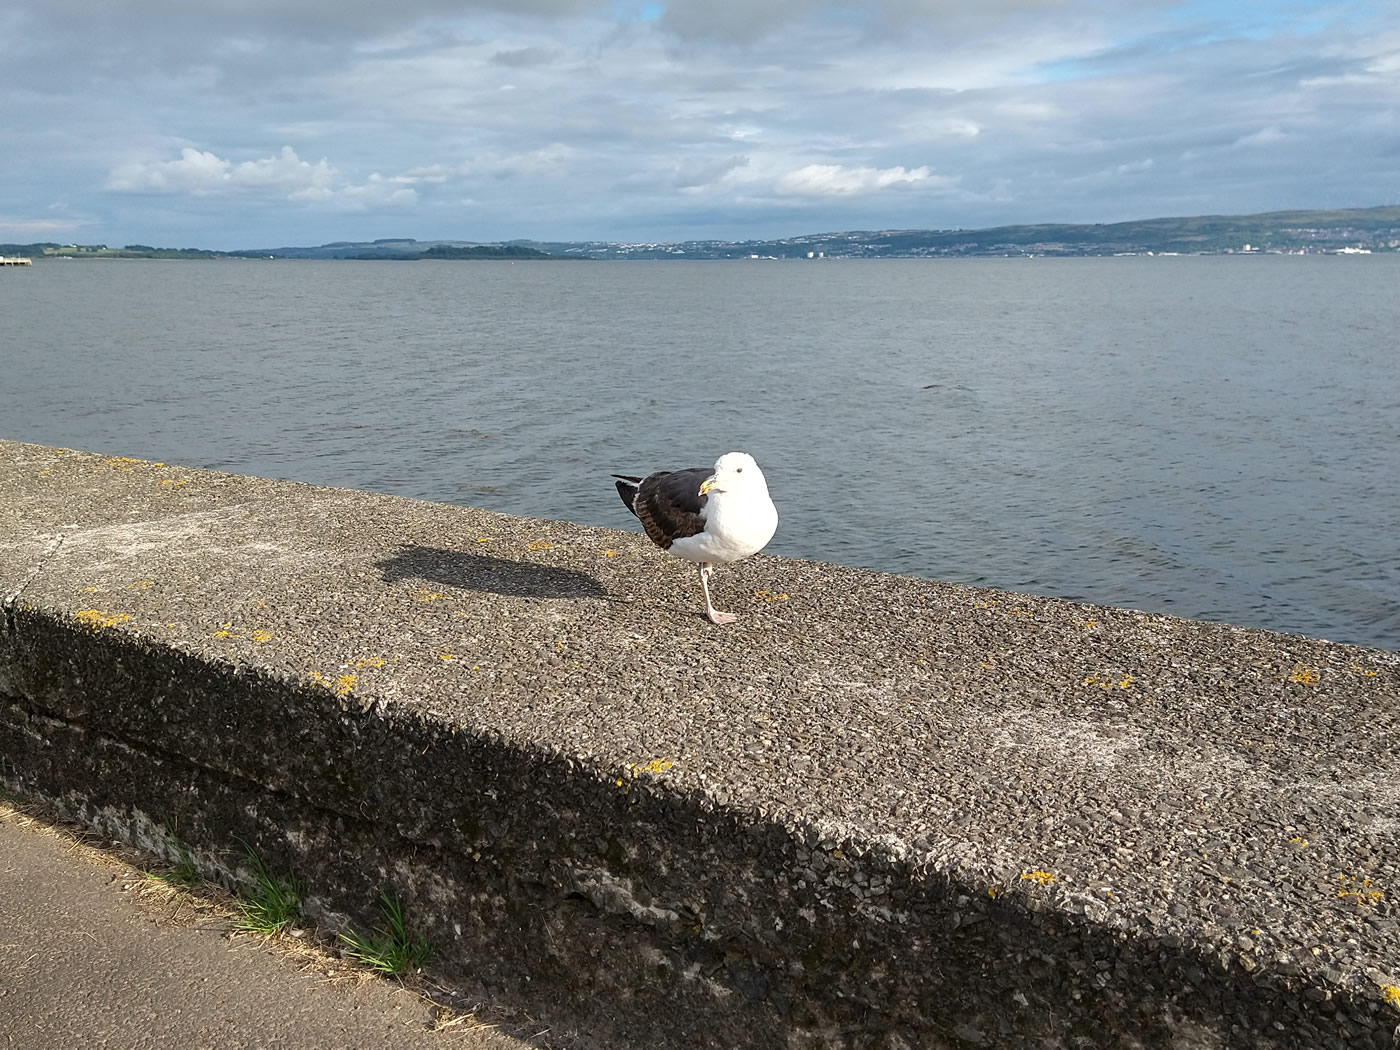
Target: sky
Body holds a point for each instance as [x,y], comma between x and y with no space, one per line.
[234,124]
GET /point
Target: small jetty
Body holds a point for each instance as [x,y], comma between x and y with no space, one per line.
[15,260]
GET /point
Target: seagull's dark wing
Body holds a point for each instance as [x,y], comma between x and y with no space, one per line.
[669,504]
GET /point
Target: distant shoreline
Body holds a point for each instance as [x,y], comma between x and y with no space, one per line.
[636,257]
[1351,231]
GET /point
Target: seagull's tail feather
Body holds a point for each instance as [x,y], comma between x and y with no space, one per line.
[627,488]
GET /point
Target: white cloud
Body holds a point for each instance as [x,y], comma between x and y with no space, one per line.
[959,128]
[23,229]
[1384,65]
[200,173]
[694,177]
[552,160]
[428,173]
[835,180]
[1136,167]
[1263,137]
[284,171]
[191,173]
[377,190]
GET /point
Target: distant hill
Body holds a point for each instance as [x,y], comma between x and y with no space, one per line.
[1342,230]
[405,249]
[469,251]
[395,248]
[1369,229]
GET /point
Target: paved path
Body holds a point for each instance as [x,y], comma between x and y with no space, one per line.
[82,965]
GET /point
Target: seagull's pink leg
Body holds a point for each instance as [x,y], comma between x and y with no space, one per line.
[714,614]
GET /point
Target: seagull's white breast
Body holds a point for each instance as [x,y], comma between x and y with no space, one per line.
[737,524]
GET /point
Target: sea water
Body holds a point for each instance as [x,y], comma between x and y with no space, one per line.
[1215,437]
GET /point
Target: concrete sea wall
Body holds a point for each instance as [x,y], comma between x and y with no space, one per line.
[877,812]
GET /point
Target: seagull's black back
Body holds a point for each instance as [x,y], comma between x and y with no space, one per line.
[667,503]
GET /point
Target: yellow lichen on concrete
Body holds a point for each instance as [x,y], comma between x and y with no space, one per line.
[1359,890]
[1391,994]
[655,767]
[770,596]
[1042,878]
[1124,681]
[98,618]
[539,545]
[1304,675]
[341,686]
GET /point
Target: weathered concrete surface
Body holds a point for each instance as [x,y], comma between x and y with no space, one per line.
[879,811]
[82,966]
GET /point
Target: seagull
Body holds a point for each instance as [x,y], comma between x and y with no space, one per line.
[712,517]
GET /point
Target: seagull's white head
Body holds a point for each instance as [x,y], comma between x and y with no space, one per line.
[735,472]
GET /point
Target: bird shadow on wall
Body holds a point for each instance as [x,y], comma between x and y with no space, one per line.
[492,575]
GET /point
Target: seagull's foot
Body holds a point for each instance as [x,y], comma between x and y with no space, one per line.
[714,614]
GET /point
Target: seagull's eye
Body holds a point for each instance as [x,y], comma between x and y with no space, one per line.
[738,470]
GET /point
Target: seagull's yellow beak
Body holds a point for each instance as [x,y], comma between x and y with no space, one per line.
[706,485]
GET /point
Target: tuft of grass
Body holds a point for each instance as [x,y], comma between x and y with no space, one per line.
[270,903]
[182,874]
[389,949]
